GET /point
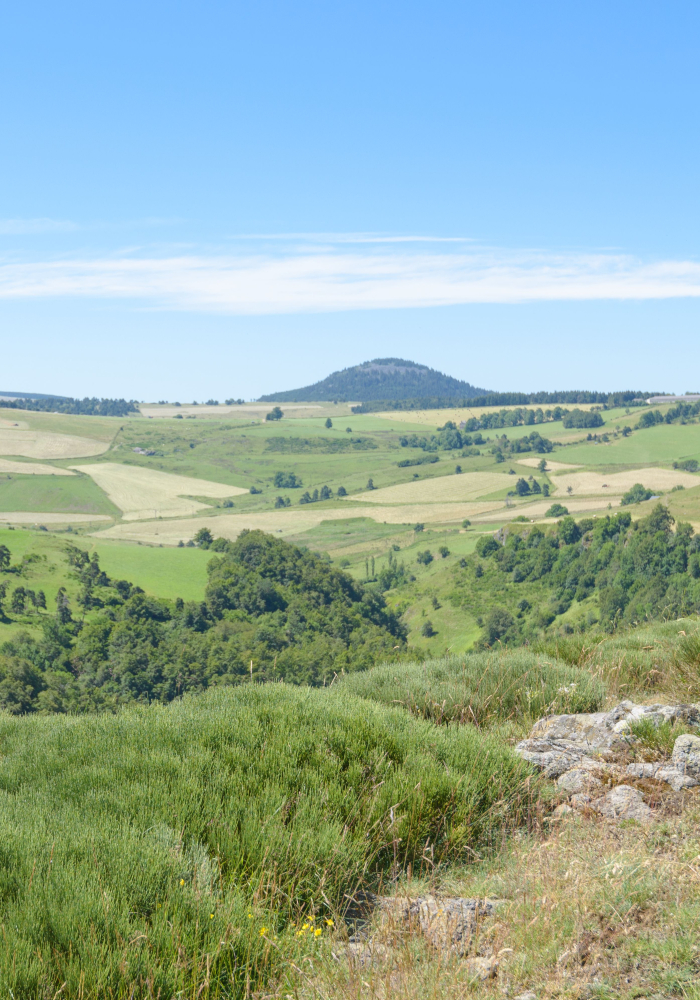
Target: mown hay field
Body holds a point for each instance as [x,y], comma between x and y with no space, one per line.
[145,493]
[533,463]
[291,522]
[46,444]
[468,486]
[619,482]
[439,417]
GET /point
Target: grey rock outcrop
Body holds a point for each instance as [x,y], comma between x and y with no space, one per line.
[567,747]
[623,802]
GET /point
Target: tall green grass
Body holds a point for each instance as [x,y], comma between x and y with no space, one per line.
[482,688]
[143,854]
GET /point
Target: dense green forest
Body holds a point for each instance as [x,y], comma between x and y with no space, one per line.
[383,378]
[91,407]
[272,611]
[523,581]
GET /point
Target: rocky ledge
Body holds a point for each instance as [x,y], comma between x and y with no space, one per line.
[581,752]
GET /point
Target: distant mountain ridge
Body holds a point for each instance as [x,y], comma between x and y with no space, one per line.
[382,378]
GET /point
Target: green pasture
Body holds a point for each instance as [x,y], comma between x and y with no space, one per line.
[660,445]
[100,428]
[42,558]
[59,494]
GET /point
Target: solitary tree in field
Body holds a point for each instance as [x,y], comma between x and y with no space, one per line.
[4,557]
[329,423]
[204,538]
[542,465]
[274,414]
[370,484]
[342,492]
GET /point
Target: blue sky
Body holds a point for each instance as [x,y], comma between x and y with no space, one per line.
[221,198]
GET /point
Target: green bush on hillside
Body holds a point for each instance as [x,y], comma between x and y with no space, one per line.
[142,854]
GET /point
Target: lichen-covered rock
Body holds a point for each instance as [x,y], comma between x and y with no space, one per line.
[686,755]
[623,802]
[579,779]
[449,924]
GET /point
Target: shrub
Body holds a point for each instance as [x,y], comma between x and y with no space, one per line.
[637,494]
[425,558]
[556,510]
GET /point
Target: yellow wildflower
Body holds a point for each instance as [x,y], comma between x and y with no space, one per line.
[263,931]
[319,930]
[182,881]
[211,916]
[330,922]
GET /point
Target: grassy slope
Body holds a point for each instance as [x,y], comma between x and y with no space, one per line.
[158,850]
[62,494]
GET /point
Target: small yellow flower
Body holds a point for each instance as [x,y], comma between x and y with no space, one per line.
[330,922]
[319,930]
[182,881]
[263,931]
[211,916]
[250,916]
[305,927]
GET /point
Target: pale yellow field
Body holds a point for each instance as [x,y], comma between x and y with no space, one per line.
[247,411]
[439,417]
[147,493]
[32,517]
[532,463]
[21,424]
[619,482]
[468,486]
[32,468]
[537,509]
[43,444]
[291,522]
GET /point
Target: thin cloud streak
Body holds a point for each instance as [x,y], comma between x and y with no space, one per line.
[332,280]
[33,227]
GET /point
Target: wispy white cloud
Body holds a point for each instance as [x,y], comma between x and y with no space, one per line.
[330,277]
[31,227]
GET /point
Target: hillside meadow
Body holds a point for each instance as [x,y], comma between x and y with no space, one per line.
[176,851]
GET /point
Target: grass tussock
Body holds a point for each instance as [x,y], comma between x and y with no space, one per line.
[169,850]
[483,688]
[660,660]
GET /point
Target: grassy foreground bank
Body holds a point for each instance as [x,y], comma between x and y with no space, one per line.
[169,850]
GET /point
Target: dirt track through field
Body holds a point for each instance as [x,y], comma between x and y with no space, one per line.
[43,444]
[147,493]
[32,468]
[34,517]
